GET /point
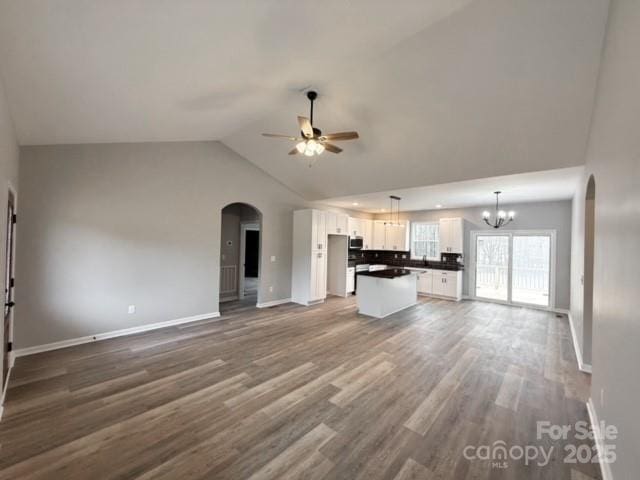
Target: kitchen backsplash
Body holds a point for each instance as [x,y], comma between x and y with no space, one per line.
[449,261]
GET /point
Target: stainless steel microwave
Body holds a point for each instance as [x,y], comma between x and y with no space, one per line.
[355,243]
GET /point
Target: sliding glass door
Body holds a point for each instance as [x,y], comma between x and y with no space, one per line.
[531,269]
[513,267]
[492,267]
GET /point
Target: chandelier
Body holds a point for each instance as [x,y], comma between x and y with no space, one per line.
[502,217]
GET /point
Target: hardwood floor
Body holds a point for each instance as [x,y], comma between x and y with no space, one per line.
[293,392]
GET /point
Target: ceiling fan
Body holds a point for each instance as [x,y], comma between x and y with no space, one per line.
[313,142]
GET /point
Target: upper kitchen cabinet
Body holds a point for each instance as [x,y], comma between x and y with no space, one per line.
[398,237]
[362,227]
[379,235]
[355,227]
[390,237]
[451,231]
[367,234]
[337,223]
[317,220]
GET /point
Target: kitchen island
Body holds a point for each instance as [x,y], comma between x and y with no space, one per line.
[383,292]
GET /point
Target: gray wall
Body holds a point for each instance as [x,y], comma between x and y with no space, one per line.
[613,157]
[530,216]
[8,177]
[104,226]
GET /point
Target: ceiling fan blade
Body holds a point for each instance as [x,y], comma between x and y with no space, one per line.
[340,136]
[305,127]
[294,152]
[276,135]
[331,148]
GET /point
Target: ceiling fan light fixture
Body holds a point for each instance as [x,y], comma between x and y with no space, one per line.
[301,147]
[319,148]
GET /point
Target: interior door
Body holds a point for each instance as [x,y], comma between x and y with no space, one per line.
[9,284]
[252,253]
[531,271]
[492,267]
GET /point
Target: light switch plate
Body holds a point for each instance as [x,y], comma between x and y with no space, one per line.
[273,258]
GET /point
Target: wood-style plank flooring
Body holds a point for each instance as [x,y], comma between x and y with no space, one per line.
[300,393]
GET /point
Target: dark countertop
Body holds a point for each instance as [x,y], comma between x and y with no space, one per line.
[452,267]
[388,273]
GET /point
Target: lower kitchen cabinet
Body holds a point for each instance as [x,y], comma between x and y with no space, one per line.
[441,283]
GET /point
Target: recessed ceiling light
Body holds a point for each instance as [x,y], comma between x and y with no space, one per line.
[355,204]
[438,206]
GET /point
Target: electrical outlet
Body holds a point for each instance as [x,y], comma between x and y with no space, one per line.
[404,256]
[602,398]
[271,288]
[273,258]
[131,309]
[224,257]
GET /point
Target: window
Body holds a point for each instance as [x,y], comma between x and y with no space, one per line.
[425,240]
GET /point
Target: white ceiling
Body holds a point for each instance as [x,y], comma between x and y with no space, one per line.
[440,90]
[549,185]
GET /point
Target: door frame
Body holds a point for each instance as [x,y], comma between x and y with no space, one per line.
[510,233]
[244,227]
[11,355]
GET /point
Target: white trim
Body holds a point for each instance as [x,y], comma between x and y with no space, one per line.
[583,367]
[510,233]
[21,352]
[605,468]
[273,303]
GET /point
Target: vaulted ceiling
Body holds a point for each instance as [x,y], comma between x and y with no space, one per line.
[440,90]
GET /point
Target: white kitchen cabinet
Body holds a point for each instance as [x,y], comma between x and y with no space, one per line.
[447,284]
[337,223]
[318,226]
[397,237]
[318,277]
[309,257]
[379,235]
[355,227]
[362,227]
[351,279]
[390,237]
[367,234]
[451,233]
[425,282]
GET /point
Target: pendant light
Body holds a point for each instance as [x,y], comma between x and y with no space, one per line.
[391,223]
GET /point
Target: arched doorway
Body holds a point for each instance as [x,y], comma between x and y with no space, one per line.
[589,243]
[240,241]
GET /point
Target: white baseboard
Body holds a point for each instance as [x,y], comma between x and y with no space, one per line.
[583,367]
[605,468]
[21,352]
[273,303]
